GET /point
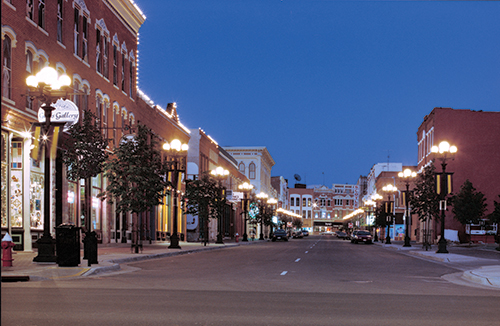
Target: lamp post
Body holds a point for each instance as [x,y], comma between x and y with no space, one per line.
[45,86]
[246,188]
[389,207]
[262,212]
[376,197]
[176,150]
[272,203]
[443,185]
[407,175]
[220,174]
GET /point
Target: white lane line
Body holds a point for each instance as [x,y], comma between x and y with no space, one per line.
[307,252]
[296,260]
[284,273]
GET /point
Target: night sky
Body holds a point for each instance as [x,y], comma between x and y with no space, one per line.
[329,87]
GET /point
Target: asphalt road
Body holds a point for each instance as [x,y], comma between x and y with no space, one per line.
[312,281]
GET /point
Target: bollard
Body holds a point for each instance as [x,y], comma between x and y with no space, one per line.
[237,236]
[7,246]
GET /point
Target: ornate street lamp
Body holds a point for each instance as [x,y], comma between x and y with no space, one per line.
[443,185]
[376,197]
[389,209]
[46,87]
[176,163]
[407,175]
[246,188]
[272,203]
[220,174]
[262,212]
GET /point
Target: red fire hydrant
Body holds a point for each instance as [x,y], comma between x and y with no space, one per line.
[237,236]
[7,245]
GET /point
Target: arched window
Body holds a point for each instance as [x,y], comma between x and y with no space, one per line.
[41,13]
[7,68]
[251,171]
[241,167]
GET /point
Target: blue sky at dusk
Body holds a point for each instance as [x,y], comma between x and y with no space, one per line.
[328,87]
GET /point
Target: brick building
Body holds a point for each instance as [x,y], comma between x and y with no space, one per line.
[94,42]
[476,135]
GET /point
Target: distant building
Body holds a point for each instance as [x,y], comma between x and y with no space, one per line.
[477,137]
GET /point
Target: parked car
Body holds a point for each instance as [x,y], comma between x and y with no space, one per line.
[297,234]
[361,236]
[341,235]
[305,233]
[279,234]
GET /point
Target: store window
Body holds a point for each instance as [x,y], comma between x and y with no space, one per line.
[16,183]
[37,182]
[5,165]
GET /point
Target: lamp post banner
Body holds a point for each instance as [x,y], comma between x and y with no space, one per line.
[65,111]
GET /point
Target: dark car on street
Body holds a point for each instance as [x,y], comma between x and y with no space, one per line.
[279,234]
[341,235]
[361,236]
[297,234]
[305,233]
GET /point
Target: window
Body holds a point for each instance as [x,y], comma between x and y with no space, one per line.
[115,65]
[322,201]
[105,107]
[7,68]
[76,97]
[29,9]
[130,75]
[59,20]
[329,203]
[85,56]
[98,58]
[41,13]
[241,167]
[303,202]
[86,93]
[76,32]
[309,214]
[29,69]
[123,72]
[297,201]
[98,110]
[105,62]
[124,119]
[251,171]
[309,202]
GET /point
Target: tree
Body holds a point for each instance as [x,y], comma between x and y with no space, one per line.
[297,222]
[424,199]
[469,205]
[494,217]
[136,176]
[85,156]
[380,216]
[202,198]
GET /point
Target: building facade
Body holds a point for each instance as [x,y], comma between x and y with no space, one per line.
[94,42]
[476,135]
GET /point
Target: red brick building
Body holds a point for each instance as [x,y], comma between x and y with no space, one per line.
[94,42]
[477,137]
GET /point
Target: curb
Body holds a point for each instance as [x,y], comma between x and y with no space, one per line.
[483,276]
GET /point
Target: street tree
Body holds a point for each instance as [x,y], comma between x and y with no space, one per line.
[202,198]
[136,177]
[424,199]
[84,156]
[494,217]
[297,222]
[469,205]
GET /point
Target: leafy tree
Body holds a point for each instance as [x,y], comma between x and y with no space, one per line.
[85,156]
[297,222]
[136,175]
[380,216]
[424,200]
[469,205]
[202,198]
[494,217]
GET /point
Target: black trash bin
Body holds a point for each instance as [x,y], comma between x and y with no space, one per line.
[68,245]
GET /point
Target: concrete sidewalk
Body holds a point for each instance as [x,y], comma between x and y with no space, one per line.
[109,257]
[484,275]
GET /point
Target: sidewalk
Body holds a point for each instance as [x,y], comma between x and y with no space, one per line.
[484,275]
[110,256]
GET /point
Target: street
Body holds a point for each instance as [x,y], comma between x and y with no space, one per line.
[318,280]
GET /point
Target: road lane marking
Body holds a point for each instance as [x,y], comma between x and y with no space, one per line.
[284,273]
[296,260]
[307,252]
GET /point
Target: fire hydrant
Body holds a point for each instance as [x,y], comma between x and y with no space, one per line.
[237,236]
[7,246]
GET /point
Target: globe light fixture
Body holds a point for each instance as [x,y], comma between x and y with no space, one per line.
[220,174]
[407,175]
[246,188]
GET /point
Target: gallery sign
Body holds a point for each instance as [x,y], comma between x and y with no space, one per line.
[65,111]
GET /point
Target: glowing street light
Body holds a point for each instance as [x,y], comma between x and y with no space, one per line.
[220,174]
[407,174]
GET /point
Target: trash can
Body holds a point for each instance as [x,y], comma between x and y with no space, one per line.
[68,245]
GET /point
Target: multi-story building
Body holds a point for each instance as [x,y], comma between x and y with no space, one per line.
[256,164]
[94,42]
[476,135]
[301,203]
[280,185]
[205,155]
